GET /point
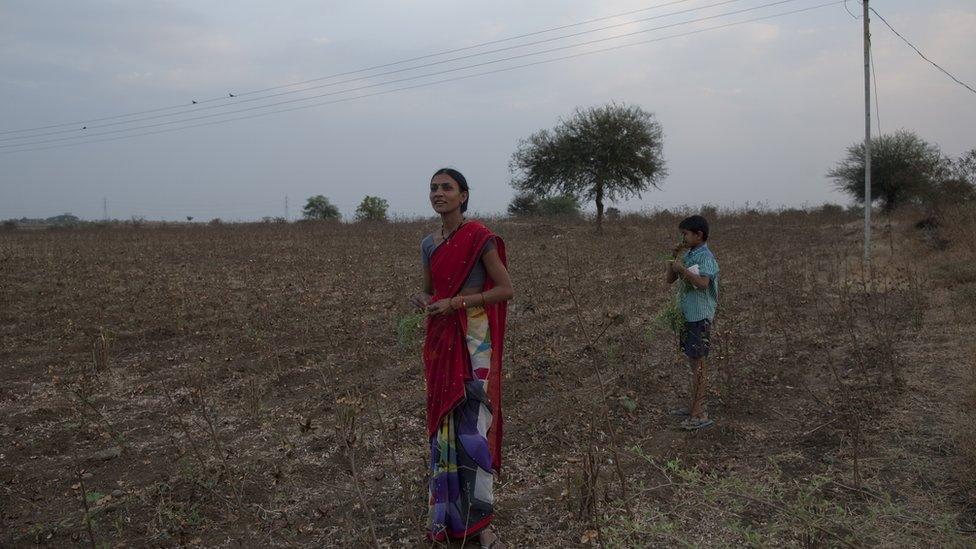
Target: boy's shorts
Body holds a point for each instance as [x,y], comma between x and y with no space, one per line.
[695,339]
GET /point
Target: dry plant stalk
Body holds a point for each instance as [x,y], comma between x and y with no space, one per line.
[611,428]
[81,394]
[587,485]
[100,352]
[199,400]
[84,503]
[347,414]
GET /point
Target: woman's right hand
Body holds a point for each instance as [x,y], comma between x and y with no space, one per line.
[441,307]
[420,300]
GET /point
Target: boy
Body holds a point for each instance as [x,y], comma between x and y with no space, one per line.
[697,271]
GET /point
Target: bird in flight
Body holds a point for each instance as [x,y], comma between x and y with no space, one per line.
[194,101]
[232,95]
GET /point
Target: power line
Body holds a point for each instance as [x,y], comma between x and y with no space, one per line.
[922,55]
[387,73]
[697,31]
[357,71]
[427,84]
[436,73]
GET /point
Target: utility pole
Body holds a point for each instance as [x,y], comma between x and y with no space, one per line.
[105,208]
[867,134]
[286,208]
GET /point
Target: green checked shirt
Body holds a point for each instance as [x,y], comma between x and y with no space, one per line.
[698,304]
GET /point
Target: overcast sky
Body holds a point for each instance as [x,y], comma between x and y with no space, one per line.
[751,113]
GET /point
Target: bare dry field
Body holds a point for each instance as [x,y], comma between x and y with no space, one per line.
[260,385]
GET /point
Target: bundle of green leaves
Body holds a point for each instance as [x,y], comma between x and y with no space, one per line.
[410,328]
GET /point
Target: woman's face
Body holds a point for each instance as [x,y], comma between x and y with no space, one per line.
[445,194]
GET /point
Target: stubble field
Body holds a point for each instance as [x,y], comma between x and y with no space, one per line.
[258,385]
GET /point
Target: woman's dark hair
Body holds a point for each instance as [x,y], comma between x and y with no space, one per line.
[459,179]
[695,224]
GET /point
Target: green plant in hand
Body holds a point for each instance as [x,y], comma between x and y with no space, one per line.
[409,328]
[675,252]
[669,318]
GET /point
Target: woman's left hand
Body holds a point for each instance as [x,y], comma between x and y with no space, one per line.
[441,307]
[420,300]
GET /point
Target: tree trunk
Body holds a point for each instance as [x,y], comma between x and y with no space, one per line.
[599,208]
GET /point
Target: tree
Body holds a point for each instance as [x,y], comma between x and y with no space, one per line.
[64,220]
[904,168]
[525,204]
[602,153]
[319,207]
[560,205]
[961,176]
[372,208]
[956,184]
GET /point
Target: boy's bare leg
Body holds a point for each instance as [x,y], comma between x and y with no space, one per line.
[698,389]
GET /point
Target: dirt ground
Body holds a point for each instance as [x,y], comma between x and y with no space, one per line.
[260,385]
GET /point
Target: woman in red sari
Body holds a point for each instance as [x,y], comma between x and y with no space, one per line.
[466,289]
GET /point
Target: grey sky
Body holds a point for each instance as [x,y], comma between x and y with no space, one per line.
[757,112]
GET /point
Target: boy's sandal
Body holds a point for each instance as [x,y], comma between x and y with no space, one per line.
[679,412]
[696,424]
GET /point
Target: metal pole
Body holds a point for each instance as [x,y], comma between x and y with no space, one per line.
[867,134]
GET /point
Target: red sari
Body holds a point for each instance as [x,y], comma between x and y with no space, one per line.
[447,363]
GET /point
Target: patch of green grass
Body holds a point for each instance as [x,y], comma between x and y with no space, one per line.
[180,515]
[94,497]
[628,403]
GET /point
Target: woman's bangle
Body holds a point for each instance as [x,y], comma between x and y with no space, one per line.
[484,300]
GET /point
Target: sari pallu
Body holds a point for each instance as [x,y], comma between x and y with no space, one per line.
[462,367]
